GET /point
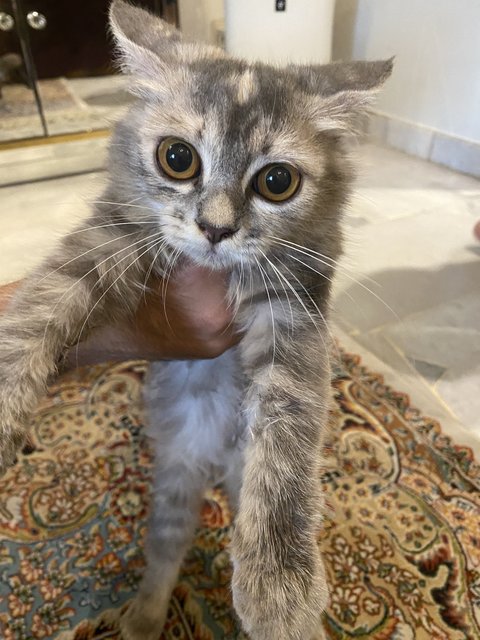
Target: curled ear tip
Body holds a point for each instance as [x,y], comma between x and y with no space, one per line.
[116,7]
[121,4]
[388,64]
[124,14]
[121,8]
[384,68]
[383,63]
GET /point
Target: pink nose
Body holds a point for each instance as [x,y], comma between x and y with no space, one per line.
[215,234]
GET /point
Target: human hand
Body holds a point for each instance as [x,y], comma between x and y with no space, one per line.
[188,319]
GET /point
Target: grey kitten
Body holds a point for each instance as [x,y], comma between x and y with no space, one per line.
[241,167]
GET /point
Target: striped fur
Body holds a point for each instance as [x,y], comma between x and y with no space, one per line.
[254,418]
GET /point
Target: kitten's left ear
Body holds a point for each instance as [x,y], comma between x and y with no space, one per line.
[338,92]
[150,48]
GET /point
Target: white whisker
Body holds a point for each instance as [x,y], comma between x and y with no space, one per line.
[119,204]
[274,290]
[110,224]
[124,204]
[85,275]
[293,290]
[166,281]
[317,309]
[271,310]
[235,299]
[308,253]
[326,260]
[152,264]
[99,246]
[309,266]
[285,291]
[150,244]
[241,285]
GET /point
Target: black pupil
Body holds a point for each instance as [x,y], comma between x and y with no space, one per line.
[278,180]
[179,157]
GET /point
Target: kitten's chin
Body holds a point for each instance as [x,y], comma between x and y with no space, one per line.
[217,257]
[215,260]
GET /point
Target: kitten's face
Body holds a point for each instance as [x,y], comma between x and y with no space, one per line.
[230,157]
[233,153]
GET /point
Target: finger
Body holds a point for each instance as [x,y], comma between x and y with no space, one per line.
[6,293]
[192,277]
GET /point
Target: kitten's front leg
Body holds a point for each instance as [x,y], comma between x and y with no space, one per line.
[50,311]
[279,585]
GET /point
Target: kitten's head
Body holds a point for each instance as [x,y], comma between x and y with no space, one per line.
[230,157]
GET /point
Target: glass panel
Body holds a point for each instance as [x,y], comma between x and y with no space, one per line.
[56,71]
[73,57]
[21,113]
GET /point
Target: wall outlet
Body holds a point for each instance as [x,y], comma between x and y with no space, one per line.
[280,5]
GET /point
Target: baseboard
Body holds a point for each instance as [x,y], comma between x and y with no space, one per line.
[42,158]
[454,152]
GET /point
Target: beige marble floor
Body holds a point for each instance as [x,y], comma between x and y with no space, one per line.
[35,215]
[416,302]
[409,241]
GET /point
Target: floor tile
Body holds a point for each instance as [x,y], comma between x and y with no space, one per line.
[377,204]
[386,167]
[34,216]
[431,372]
[445,335]
[415,263]
[382,358]
[459,387]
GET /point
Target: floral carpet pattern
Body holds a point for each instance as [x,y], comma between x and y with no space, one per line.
[402,541]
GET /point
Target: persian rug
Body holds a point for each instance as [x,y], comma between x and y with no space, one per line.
[402,541]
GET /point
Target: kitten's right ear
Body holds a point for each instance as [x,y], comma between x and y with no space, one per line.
[149,48]
[142,39]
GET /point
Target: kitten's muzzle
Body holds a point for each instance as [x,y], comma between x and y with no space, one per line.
[215,234]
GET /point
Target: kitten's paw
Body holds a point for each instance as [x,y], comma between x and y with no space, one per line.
[143,620]
[280,603]
[12,440]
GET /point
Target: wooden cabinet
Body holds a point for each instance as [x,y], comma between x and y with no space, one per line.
[70,38]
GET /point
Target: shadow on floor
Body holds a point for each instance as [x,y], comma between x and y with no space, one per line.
[399,296]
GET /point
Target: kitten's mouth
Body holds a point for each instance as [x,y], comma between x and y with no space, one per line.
[212,251]
[218,256]
[217,259]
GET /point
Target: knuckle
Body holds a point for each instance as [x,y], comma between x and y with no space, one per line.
[216,347]
[215,323]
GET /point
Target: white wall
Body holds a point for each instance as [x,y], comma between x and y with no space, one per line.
[302,33]
[196,17]
[254,30]
[436,80]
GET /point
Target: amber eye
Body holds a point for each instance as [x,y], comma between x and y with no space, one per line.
[178,159]
[277,182]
